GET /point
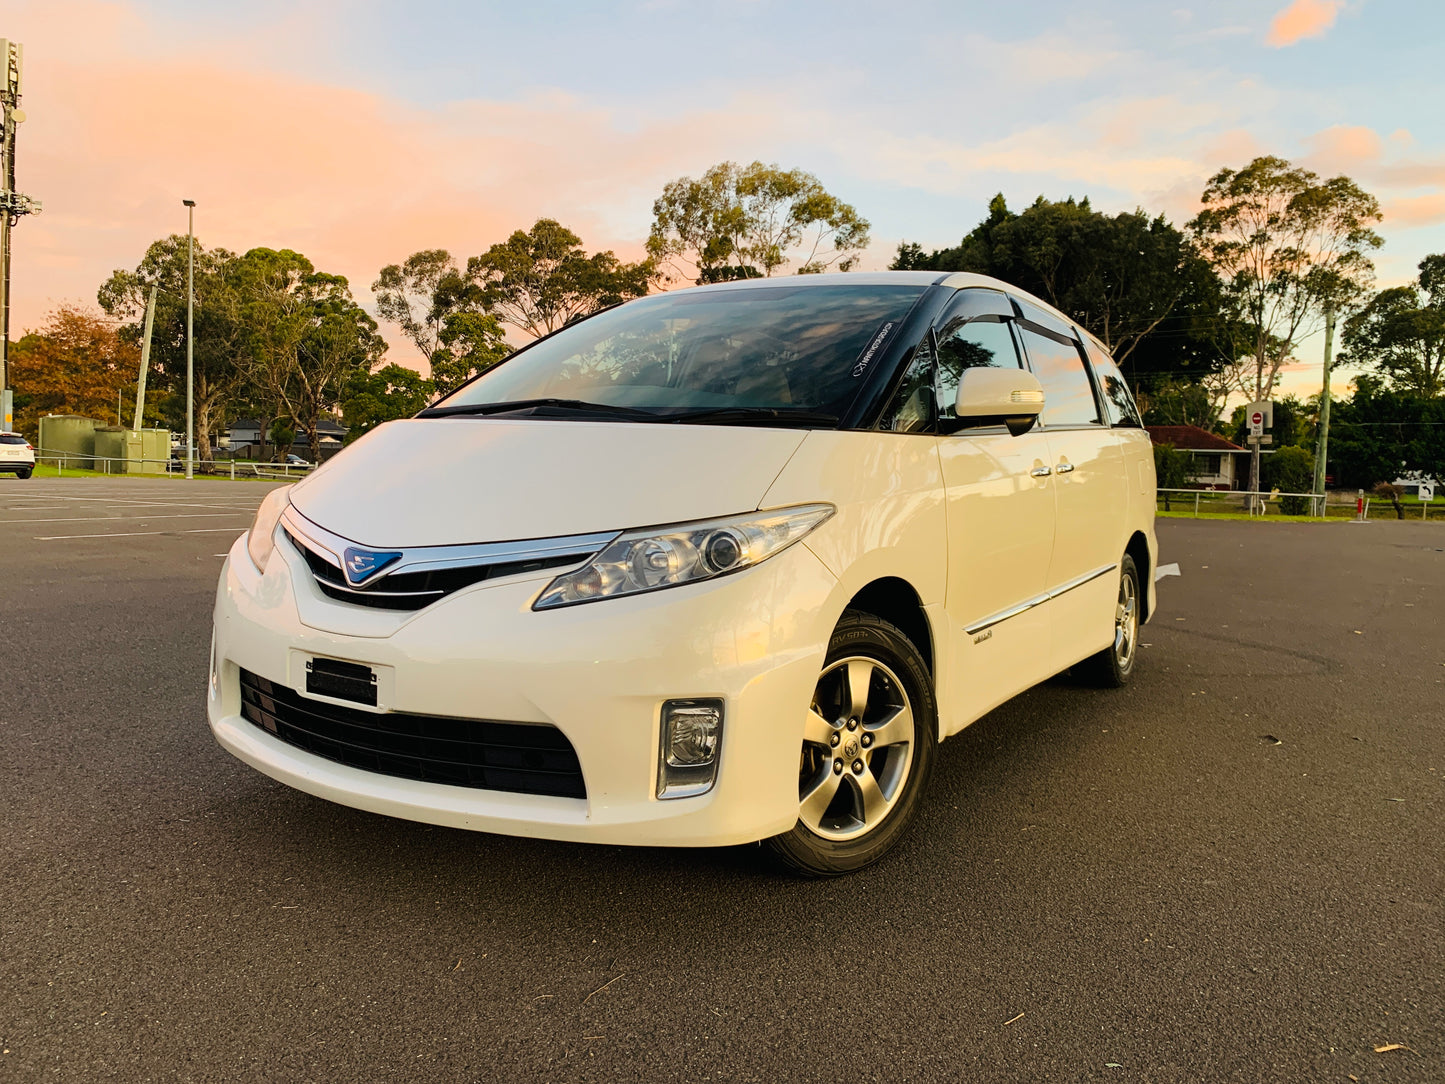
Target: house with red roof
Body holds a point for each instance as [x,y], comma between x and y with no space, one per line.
[1217,462]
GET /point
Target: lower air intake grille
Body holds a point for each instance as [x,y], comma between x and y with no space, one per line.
[524,758]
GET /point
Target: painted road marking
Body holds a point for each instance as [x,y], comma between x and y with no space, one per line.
[171,504]
[134,534]
[117,519]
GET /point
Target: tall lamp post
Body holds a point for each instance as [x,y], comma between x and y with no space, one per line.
[190,336]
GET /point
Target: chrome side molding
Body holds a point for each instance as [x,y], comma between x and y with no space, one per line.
[1038,600]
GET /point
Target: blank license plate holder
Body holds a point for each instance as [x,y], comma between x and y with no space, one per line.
[352,681]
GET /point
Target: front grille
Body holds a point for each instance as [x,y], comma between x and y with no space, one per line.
[413,590]
[523,758]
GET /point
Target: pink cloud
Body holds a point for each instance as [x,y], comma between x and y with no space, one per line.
[1341,147]
[1302,19]
[1416,210]
[118,135]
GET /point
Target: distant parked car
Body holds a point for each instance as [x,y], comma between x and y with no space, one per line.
[293,460]
[17,455]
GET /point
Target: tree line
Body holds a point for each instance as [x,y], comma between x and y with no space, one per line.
[1193,314]
[1217,308]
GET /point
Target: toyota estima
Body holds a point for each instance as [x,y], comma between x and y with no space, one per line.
[713,566]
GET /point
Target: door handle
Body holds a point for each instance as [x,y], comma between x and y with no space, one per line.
[1040,472]
[1064,468]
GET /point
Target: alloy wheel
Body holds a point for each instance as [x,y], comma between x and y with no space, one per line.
[858,749]
[1126,622]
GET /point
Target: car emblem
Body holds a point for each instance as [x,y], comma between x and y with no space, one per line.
[362,565]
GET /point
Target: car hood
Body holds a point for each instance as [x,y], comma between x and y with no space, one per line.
[444,481]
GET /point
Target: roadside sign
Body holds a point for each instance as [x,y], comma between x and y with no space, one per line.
[1256,423]
[1260,414]
[1255,439]
[1427,491]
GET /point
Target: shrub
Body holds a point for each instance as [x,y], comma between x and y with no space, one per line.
[1291,470]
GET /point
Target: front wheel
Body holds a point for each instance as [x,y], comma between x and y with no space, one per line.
[868,747]
[1112,667]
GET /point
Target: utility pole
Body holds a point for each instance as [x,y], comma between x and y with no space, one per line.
[145,362]
[12,203]
[1322,445]
[190,337]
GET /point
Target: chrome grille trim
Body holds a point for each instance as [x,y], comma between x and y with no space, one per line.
[329,548]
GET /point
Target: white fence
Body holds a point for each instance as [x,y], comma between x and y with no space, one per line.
[1206,502]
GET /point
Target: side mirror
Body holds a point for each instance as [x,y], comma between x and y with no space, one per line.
[987,396]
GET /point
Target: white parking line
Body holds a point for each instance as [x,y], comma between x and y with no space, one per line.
[172,504]
[135,534]
[117,519]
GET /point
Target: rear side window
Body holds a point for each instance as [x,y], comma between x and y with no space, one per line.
[982,343]
[1068,393]
[1118,403]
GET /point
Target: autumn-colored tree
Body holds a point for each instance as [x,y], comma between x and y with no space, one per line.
[75,364]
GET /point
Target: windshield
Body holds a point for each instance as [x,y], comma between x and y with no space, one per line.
[789,348]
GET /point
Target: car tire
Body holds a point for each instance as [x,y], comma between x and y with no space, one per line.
[867,755]
[1112,667]
[24,473]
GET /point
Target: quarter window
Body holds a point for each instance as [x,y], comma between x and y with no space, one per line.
[1118,403]
[1068,393]
[912,409]
[982,343]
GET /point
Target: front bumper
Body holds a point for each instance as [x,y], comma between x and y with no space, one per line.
[598,672]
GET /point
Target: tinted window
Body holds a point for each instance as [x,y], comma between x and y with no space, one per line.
[784,346]
[1118,403]
[1068,395]
[12,438]
[982,343]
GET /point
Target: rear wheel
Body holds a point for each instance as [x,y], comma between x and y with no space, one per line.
[24,473]
[868,748]
[1113,666]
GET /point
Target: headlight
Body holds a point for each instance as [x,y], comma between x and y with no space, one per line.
[261,540]
[651,559]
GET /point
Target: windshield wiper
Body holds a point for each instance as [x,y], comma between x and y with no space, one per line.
[743,415]
[540,406]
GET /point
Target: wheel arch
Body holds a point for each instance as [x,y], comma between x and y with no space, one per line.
[1138,548]
[896,601]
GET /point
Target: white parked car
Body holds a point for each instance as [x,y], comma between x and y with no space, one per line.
[713,566]
[17,455]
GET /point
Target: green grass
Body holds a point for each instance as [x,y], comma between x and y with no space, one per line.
[1270,517]
[48,470]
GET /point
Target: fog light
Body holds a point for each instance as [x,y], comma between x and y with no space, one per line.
[691,742]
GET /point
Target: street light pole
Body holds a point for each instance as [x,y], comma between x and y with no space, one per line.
[190,337]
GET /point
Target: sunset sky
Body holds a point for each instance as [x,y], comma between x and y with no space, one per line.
[358,133]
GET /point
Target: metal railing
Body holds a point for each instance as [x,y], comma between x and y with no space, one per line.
[174,468]
[1204,502]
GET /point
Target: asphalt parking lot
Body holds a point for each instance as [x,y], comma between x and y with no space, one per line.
[1231,870]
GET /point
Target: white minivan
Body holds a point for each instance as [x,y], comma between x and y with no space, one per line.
[714,566]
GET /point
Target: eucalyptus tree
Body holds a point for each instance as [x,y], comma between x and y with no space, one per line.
[537,280]
[1288,246]
[220,351]
[308,336]
[737,222]
[1137,283]
[1401,332]
[418,294]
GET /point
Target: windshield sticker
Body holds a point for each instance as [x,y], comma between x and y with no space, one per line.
[862,366]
